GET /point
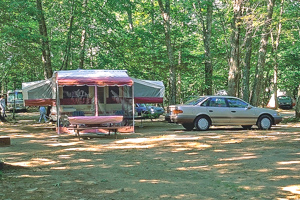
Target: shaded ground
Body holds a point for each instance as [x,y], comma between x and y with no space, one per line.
[158,161]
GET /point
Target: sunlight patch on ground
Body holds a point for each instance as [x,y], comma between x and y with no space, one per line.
[203,167]
[65,156]
[288,162]
[263,170]
[226,165]
[154,181]
[288,168]
[232,141]
[238,158]
[295,189]
[60,144]
[32,176]
[23,135]
[287,177]
[34,162]
[60,168]
[161,138]
[131,147]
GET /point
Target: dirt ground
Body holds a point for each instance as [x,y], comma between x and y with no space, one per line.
[159,161]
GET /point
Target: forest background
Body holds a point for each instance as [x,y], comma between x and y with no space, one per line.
[250,48]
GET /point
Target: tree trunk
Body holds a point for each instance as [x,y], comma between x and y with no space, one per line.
[259,73]
[46,53]
[297,107]
[65,63]
[83,38]
[128,8]
[234,50]
[165,11]
[206,31]
[275,48]
[207,41]
[247,61]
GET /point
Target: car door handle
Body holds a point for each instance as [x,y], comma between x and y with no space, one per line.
[210,111]
[233,111]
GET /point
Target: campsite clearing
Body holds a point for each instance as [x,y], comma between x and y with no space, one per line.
[159,161]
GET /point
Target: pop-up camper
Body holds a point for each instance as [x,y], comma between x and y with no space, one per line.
[93,98]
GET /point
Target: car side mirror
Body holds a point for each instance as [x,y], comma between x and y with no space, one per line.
[248,107]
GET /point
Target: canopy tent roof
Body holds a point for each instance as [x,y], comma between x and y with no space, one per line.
[93,77]
[43,93]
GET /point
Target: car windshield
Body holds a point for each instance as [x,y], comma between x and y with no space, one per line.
[195,101]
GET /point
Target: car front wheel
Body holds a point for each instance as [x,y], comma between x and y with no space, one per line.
[202,123]
[264,122]
[188,126]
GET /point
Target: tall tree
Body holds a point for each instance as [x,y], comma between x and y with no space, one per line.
[247,60]
[259,72]
[234,49]
[275,44]
[165,12]
[67,52]
[46,54]
[83,35]
[207,32]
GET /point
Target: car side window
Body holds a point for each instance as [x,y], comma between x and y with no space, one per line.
[217,102]
[205,103]
[236,103]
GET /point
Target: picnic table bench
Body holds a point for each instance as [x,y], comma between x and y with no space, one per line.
[110,123]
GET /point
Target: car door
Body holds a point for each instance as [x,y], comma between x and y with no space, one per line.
[218,111]
[240,112]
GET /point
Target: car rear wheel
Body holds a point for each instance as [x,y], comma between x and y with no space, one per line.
[264,122]
[188,126]
[202,123]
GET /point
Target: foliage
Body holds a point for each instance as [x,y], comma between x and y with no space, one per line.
[129,34]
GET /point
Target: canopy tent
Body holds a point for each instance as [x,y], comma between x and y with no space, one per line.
[43,93]
[92,93]
[146,91]
[39,93]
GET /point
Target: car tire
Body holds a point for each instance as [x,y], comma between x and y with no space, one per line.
[247,127]
[264,122]
[188,126]
[202,123]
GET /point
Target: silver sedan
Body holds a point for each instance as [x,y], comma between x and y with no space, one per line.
[205,111]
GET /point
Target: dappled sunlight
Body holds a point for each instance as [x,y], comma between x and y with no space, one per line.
[200,168]
[294,189]
[287,177]
[289,163]
[158,158]
[227,165]
[34,162]
[232,141]
[181,143]
[153,181]
[244,157]
[32,176]
[63,144]
[65,156]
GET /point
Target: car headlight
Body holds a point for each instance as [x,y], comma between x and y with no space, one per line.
[276,114]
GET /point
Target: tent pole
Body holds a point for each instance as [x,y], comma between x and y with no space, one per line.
[133,107]
[57,107]
[96,100]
